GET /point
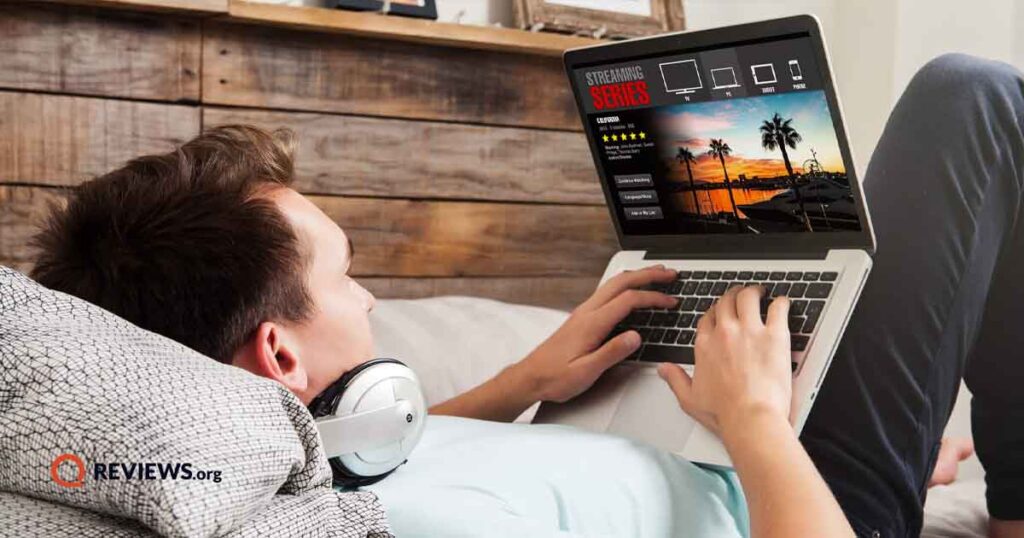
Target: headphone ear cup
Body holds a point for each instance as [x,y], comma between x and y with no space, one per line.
[382,398]
[345,478]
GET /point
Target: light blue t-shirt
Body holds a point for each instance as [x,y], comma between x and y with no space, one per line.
[476,478]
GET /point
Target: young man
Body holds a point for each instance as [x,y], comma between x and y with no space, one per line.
[208,245]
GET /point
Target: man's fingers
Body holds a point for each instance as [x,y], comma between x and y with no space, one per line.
[620,307]
[778,313]
[628,280]
[748,305]
[725,306]
[680,383]
[612,352]
[707,321]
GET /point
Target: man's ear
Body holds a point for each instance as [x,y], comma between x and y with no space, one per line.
[269,353]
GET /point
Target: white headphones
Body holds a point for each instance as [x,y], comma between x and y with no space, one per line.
[370,420]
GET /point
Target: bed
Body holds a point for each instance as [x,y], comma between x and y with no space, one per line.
[456,342]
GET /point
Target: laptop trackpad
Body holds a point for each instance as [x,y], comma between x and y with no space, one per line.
[594,409]
[648,411]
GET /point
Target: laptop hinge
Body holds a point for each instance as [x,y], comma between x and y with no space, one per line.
[735,255]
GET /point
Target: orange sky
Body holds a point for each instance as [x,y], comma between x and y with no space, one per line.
[709,168]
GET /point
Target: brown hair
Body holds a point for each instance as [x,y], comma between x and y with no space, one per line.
[183,244]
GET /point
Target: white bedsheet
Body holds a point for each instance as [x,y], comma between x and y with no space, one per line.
[454,343]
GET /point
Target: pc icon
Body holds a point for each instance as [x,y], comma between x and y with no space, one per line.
[681,77]
[724,78]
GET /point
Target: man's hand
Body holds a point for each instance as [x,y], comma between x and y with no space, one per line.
[742,365]
[741,389]
[572,358]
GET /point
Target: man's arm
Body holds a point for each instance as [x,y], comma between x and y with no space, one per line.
[998,528]
[742,390]
[572,358]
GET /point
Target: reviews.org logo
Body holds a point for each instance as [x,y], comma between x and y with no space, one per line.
[75,467]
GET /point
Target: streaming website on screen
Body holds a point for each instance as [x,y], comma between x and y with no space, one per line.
[737,139]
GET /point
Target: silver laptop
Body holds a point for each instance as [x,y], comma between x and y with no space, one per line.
[722,154]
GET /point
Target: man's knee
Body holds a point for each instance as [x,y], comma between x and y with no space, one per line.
[962,76]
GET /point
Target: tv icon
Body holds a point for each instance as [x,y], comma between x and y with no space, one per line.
[681,77]
[763,74]
[723,78]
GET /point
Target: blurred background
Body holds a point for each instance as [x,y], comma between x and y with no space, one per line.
[876,45]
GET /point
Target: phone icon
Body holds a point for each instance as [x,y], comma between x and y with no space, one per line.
[794,70]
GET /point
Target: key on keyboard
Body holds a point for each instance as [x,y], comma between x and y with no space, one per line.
[668,334]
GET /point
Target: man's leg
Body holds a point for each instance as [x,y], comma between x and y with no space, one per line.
[945,189]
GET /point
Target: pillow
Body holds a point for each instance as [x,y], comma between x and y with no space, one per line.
[455,343]
[25,516]
[95,413]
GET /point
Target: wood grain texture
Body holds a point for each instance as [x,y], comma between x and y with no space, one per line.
[63,140]
[564,293]
[269,68]
[409,238]
[420,159]
[448,239]
[99,52]
[406,28]
[191,7]
[22,210]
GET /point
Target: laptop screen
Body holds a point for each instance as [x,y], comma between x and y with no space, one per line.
[735,139]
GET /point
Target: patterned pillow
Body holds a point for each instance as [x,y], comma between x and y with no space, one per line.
[98,414]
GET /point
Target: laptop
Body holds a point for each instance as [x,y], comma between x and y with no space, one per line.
[723,155]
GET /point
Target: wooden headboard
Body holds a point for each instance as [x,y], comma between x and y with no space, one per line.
[456,164]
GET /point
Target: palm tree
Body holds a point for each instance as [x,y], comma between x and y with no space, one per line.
[685,156]
[779,133]
[720,149]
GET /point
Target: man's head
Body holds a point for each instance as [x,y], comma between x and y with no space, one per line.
[210,246]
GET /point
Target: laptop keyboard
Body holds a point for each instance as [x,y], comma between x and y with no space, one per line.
[668,334]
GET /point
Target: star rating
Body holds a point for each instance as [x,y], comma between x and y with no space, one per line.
[615,137]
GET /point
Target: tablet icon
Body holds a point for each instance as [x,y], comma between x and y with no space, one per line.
[724,78]
[681,77]
[794,70]
[763,74]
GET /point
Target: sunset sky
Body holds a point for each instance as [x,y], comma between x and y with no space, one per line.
[737,122]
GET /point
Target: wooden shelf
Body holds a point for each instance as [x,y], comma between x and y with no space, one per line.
[405,29]
[192,7]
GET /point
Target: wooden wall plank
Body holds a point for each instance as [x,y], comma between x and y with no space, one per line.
[411,238]
[267,68]
[63,140]
[564,293]
[439,238]
[22,210]
[97,52]
[419,159]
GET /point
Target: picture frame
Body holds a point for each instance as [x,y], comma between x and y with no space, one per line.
[602,18]
[423,9]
